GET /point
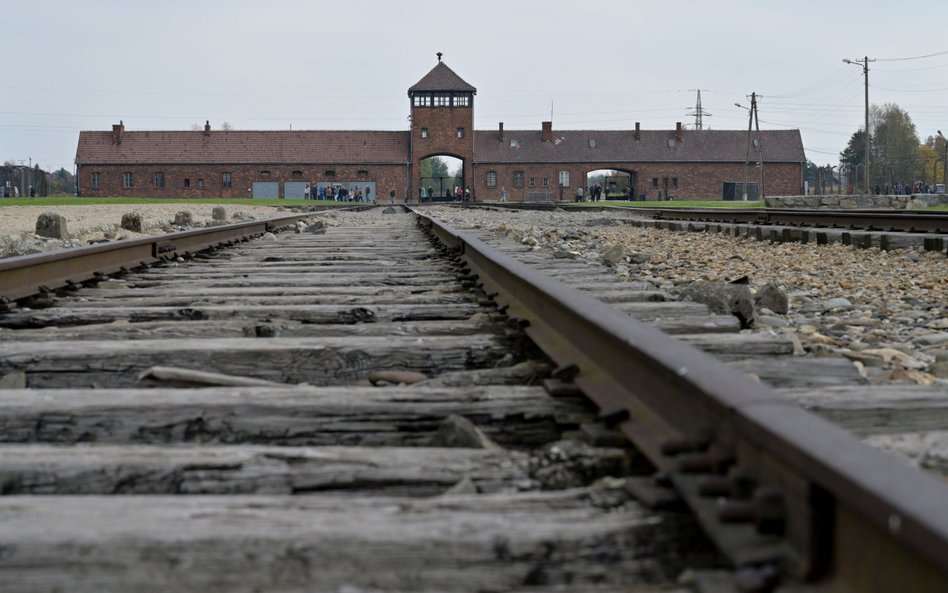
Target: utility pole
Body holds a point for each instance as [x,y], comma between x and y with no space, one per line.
[761,194]
[751,119]
[944,162]
[865,70]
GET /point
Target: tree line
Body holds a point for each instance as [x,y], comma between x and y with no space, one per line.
[896,154]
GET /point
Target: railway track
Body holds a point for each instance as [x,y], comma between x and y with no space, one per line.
[367,409]
[862,228]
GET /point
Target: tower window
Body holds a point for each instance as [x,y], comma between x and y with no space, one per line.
[460,132]
[424,132]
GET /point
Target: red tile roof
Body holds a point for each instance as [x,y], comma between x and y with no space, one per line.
[238,147]
[442,78]
[378,147]
[575,146]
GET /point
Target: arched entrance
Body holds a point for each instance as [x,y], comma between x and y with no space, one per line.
[611,184]
[438,177]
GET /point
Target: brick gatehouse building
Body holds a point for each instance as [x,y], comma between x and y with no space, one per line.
[674,163]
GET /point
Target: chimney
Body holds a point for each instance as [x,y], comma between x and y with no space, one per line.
[638,131]
[207,127]
[500,131]
[678,131]
[117,131]
[547,134]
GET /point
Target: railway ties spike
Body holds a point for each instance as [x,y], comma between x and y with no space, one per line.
[766,511]
[712,461]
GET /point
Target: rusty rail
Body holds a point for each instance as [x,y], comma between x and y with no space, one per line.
[28,275]
[890,221]
[778,489]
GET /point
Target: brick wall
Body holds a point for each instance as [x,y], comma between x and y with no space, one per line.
[386,177]
[442,124]
[694,181]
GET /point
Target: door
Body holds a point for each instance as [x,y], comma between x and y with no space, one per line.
[266,190]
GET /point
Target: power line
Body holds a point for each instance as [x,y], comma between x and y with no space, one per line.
[941,53]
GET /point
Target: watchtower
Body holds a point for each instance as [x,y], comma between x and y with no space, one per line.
[442,121]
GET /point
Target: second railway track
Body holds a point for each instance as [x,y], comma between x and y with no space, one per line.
[232,422]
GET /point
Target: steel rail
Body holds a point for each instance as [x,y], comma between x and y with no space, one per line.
[869,220]
[894,221]
[28,275]
[777,488]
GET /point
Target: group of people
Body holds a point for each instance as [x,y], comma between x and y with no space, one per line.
[426,194]
[594,192]
[341,193]
[8,191]
[901,190]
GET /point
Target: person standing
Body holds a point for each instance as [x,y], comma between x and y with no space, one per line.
[579,194]
[391,195]
[503,193]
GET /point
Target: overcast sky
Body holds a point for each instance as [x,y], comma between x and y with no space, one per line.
[74,65]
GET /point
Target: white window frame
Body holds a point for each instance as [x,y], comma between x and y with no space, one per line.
[128,179]
[564,178]
[492,179]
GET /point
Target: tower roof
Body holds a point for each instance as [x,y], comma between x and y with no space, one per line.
[442,78]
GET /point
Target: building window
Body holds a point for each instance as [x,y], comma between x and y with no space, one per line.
[665,182]
[225,180]
[546,182]
[442,100]
[264,173]
[518,178]
[592,143]
[514,143]
[128,180]
[159,179]
[533,182]
[671,143]
[654,181]
[187,182]
[756,143]
[674,182]
[422,100]
[461,101]
[363,173]
[460,132]
[564,178]
[329,173]
[491,179]
[201,183]
[297,173]
[96,180]
[424,132]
